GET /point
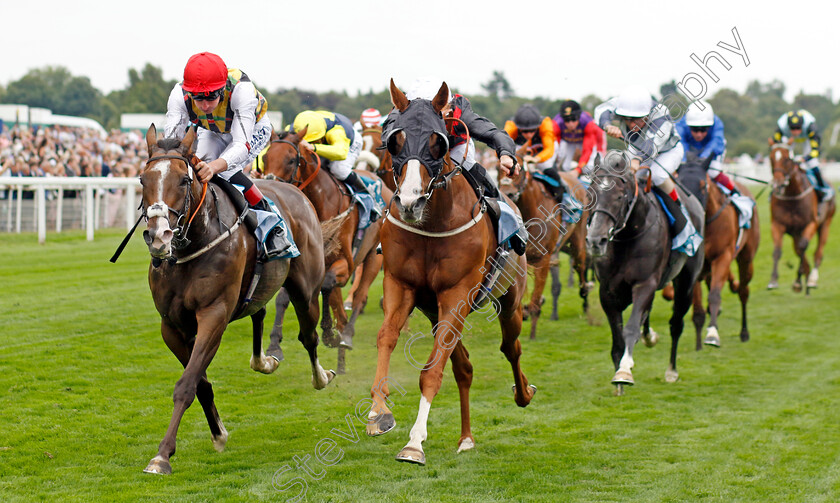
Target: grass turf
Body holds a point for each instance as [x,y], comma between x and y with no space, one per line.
[86,385]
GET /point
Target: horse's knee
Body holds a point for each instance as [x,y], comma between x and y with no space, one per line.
[184,392]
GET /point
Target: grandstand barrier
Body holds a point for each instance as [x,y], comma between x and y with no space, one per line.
[93,191]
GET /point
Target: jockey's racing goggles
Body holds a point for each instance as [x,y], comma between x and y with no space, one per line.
[699,129]
[208,96]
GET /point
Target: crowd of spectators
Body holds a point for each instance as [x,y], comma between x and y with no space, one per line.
[66,151]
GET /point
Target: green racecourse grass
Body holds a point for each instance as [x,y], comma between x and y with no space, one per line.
[86,395]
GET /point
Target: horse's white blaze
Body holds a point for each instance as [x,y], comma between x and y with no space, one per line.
[626,362]
[418,431]
[161,167]
[778,155]
[412,186]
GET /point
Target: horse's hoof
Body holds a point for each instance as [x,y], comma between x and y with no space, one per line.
[797,287]
[651,338]
[466,445]
[275,352]
[623,377]
[813,277]
[348,306]
[220,440]
[330,338]
[380,424]
[773,285]
[671,375]
[159,466]
[346,341]
[528,399]
[745,336]
[265,364]
[412,455]
[712,337]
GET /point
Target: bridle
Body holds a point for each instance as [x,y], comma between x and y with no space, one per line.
[614,231]
[294,180]
[779,188]
[441,180]
[182,227]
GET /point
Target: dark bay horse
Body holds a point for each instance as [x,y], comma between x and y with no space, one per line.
[547,233]
[630,242]
[724,241]
[339,215]
[437,244]
[203,279]
[795,210]
[370,159]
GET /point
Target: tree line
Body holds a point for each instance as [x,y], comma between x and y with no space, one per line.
[749,117]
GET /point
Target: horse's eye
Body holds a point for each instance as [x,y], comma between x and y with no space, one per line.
[185,181]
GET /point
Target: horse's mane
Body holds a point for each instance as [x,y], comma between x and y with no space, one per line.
[283,135]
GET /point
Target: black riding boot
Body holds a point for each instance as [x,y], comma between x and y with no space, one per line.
[674,209]
[556,192]
[821,185]
[356,182]
[277,241]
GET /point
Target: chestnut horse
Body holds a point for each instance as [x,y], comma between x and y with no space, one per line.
[724,241]
[547,233]
[339,215]
[795,210]
[629,240]
[436,247]
[203,264]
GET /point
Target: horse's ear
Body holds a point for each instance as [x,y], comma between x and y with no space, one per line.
[770,141]
[187,142]
[151,138]
[597,161]
[442,98]
[707,162]
[398,97]
[302,133]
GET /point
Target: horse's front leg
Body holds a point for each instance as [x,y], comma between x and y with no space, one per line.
[398,302]
[453,307]
[556,288]
[211,325]
[642,300]
[281,303]
[328,334]
[777,232]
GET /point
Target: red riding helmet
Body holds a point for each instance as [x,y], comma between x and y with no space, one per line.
[205,72]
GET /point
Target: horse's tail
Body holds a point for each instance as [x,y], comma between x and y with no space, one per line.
[368,158]
[330,231]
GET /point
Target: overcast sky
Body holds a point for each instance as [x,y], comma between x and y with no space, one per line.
[545,48]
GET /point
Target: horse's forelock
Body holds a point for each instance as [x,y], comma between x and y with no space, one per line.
[169,144]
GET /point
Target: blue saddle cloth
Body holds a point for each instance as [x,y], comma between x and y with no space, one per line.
[370,209]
